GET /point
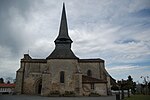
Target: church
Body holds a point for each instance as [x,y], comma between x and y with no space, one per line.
[62,73]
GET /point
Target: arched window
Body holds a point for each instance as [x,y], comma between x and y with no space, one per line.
[89,73]
[62,77]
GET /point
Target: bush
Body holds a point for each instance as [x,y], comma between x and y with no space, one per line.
[69,93]
[94,94]
[54,93]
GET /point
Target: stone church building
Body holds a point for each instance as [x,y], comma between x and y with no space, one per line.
[62,71]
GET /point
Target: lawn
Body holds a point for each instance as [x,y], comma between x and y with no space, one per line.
[138,97]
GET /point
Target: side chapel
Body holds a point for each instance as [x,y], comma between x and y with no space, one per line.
[62,71]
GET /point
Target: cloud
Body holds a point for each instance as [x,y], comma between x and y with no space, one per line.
[122,72]
[126,68]
[116,31]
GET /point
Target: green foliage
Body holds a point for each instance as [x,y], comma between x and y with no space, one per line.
[115,88]
[149,85]
[94,94]
[127,84]
[131,84]
[8,82]
[138,97]
[1,80]
[69,93]
[52,93]
[130,78]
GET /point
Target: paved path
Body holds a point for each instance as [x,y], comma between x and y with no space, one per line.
[30,97]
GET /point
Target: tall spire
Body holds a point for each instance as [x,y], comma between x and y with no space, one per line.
[63,31]
[63,41]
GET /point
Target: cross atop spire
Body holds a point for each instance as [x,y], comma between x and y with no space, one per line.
[63,31]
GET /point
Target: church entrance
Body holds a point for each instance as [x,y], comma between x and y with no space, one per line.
[38,87]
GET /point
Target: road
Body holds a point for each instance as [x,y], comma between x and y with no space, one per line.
[31,97]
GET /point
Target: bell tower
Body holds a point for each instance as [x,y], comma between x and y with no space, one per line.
[63,41]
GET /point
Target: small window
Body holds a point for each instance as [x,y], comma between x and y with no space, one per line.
[89,73]
[62,77]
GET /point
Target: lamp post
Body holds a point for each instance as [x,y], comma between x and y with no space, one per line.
[145,81]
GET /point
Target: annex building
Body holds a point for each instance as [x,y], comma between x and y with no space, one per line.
[62,72]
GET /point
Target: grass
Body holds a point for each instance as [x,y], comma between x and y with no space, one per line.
[138,97]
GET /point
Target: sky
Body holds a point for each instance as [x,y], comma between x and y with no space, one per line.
[117,31]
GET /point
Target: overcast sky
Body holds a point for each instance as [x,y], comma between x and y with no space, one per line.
[117,31]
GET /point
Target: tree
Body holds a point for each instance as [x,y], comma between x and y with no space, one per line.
[8,82]
[134,87]
[149,87]
[14,80]
[115,87]
[1,80]
[10,79]
[130,78]
[127,85]
[131,84]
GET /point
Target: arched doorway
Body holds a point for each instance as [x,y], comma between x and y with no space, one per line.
[38,86]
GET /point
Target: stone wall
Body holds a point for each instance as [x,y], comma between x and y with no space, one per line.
[78,84]
[108,85]
[99,88]
[103,71]
[93,66]
[49,74]
[86,89]
[46,84]
[27,75]
[34,68]
[19,79]
[69,66]
[28,86]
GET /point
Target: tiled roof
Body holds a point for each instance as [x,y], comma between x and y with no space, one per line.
[91,60]
[34,60]
[7,85]
[87,79]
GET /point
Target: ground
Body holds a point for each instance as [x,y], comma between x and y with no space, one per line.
[31,97]
[138,97]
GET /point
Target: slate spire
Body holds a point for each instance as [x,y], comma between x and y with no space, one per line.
[63,31]
[63,41]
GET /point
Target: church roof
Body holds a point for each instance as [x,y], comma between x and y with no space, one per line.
[62,53]
[87,79]
[63,41]
[91,60]
[7,85]
[63,31]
